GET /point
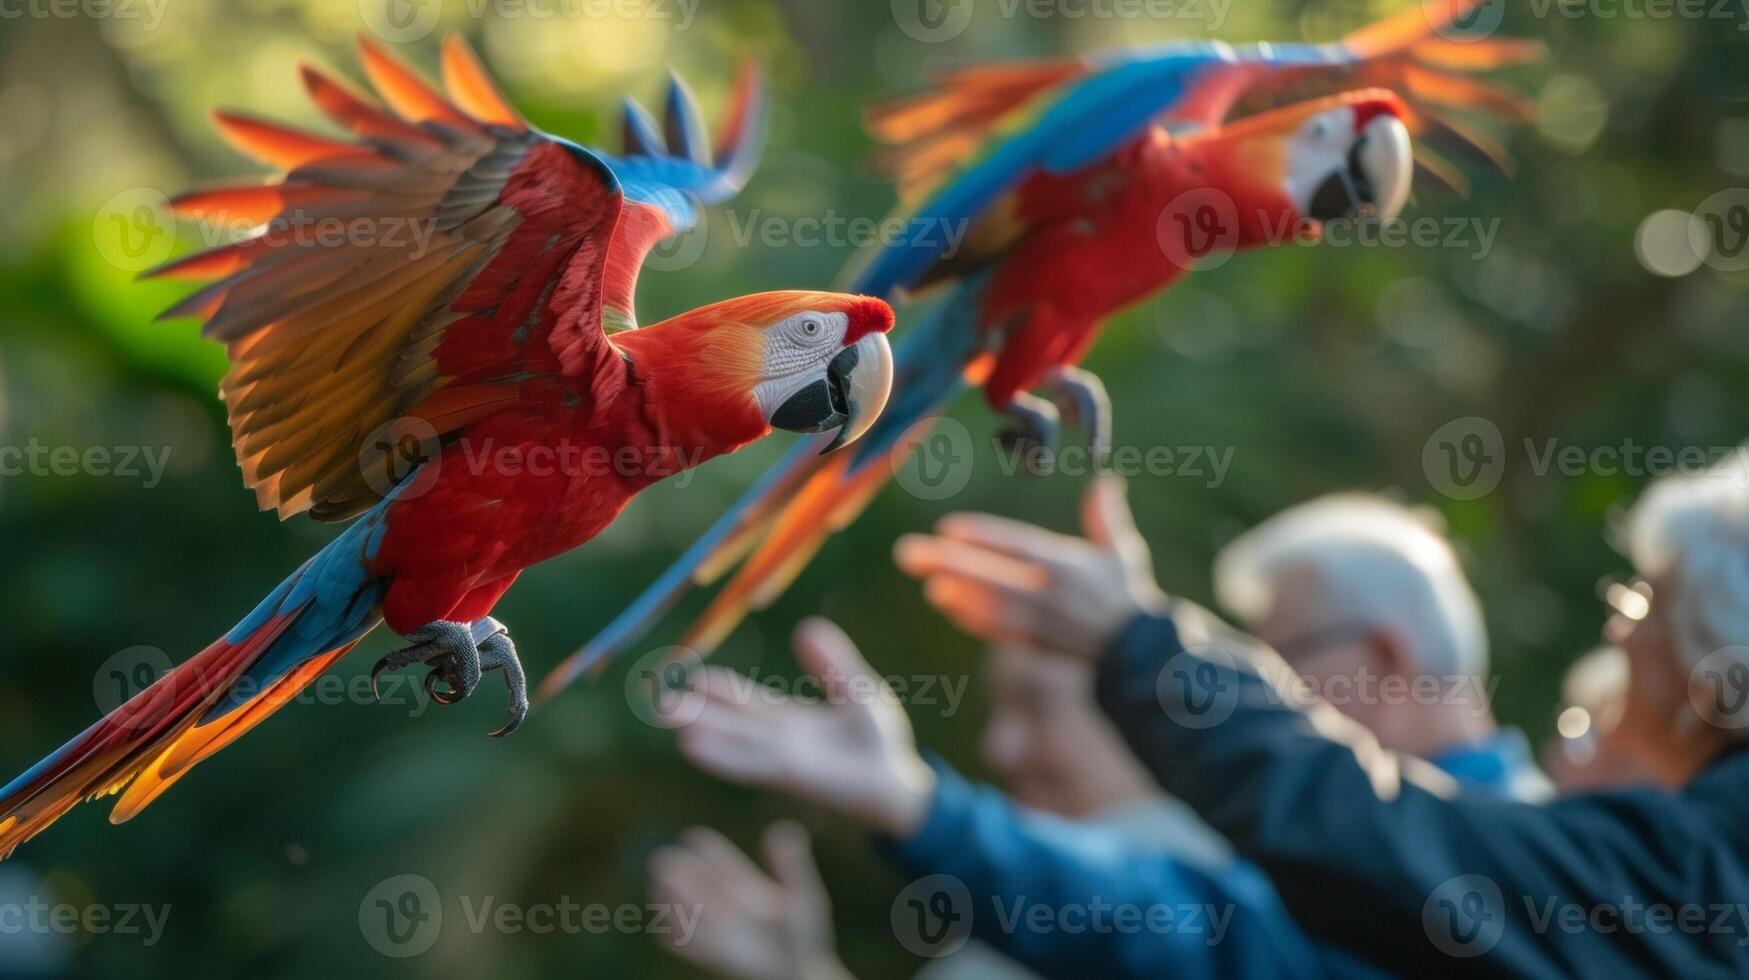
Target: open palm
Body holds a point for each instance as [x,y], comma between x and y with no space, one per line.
[846,745]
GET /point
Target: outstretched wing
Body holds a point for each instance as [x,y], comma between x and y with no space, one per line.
[962,149]
[445,264]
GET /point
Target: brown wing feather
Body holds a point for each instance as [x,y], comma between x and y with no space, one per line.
[334,313]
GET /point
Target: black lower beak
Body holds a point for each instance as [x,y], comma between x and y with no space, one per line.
[822,405]
[1346,193]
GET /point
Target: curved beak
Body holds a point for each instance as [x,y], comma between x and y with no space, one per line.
[1375,180]
[848,399]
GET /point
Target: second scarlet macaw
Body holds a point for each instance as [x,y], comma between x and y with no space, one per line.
[1086,185]
[477,398]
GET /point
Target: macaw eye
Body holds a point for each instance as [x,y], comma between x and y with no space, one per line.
[811,327]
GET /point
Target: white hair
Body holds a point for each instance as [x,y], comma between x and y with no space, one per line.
[1376,563]
[1692,531]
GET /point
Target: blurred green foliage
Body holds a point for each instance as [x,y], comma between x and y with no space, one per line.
[1321,368]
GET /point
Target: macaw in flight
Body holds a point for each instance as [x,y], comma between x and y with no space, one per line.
[1086,185]
[402,385]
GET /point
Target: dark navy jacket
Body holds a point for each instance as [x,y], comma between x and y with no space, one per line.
[1380,856]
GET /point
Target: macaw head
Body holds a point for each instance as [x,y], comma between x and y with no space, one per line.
[1345,156]
[796,360]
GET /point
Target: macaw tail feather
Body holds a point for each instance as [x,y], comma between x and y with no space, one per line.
[783,521]
[143,747]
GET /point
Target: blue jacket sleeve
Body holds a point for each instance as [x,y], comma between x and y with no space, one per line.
[1072,900]
[1379,854]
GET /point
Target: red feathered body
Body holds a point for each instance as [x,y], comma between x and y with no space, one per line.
[527,484]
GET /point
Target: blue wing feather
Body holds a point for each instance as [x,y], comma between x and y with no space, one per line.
[1091,118]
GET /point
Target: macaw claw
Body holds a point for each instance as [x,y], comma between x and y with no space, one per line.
[458,654]
[1081,399]
[1032,440]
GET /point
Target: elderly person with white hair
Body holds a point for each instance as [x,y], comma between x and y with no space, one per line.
[1368,603]
[1379,854]
[1684,621]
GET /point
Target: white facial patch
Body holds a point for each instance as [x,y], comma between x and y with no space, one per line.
[796,354]
[1316,150]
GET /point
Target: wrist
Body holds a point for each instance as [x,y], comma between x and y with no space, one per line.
[824,967]
[903,797]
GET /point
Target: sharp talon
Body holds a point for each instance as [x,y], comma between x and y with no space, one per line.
[498,653]
[375,672]
[516,720]
[441,697]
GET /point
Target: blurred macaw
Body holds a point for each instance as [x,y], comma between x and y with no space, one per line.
[1086,185]
[457,363]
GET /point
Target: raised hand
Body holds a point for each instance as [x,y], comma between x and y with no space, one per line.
[752,923]
[851,750]
[1004,580]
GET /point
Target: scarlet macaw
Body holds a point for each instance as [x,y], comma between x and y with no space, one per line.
[507,335]
[1085,187]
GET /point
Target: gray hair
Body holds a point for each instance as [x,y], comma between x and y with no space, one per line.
[1693,529]
[1377,563]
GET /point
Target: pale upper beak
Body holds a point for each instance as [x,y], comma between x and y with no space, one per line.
[1374,179]
[849,398]
[1389,164]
